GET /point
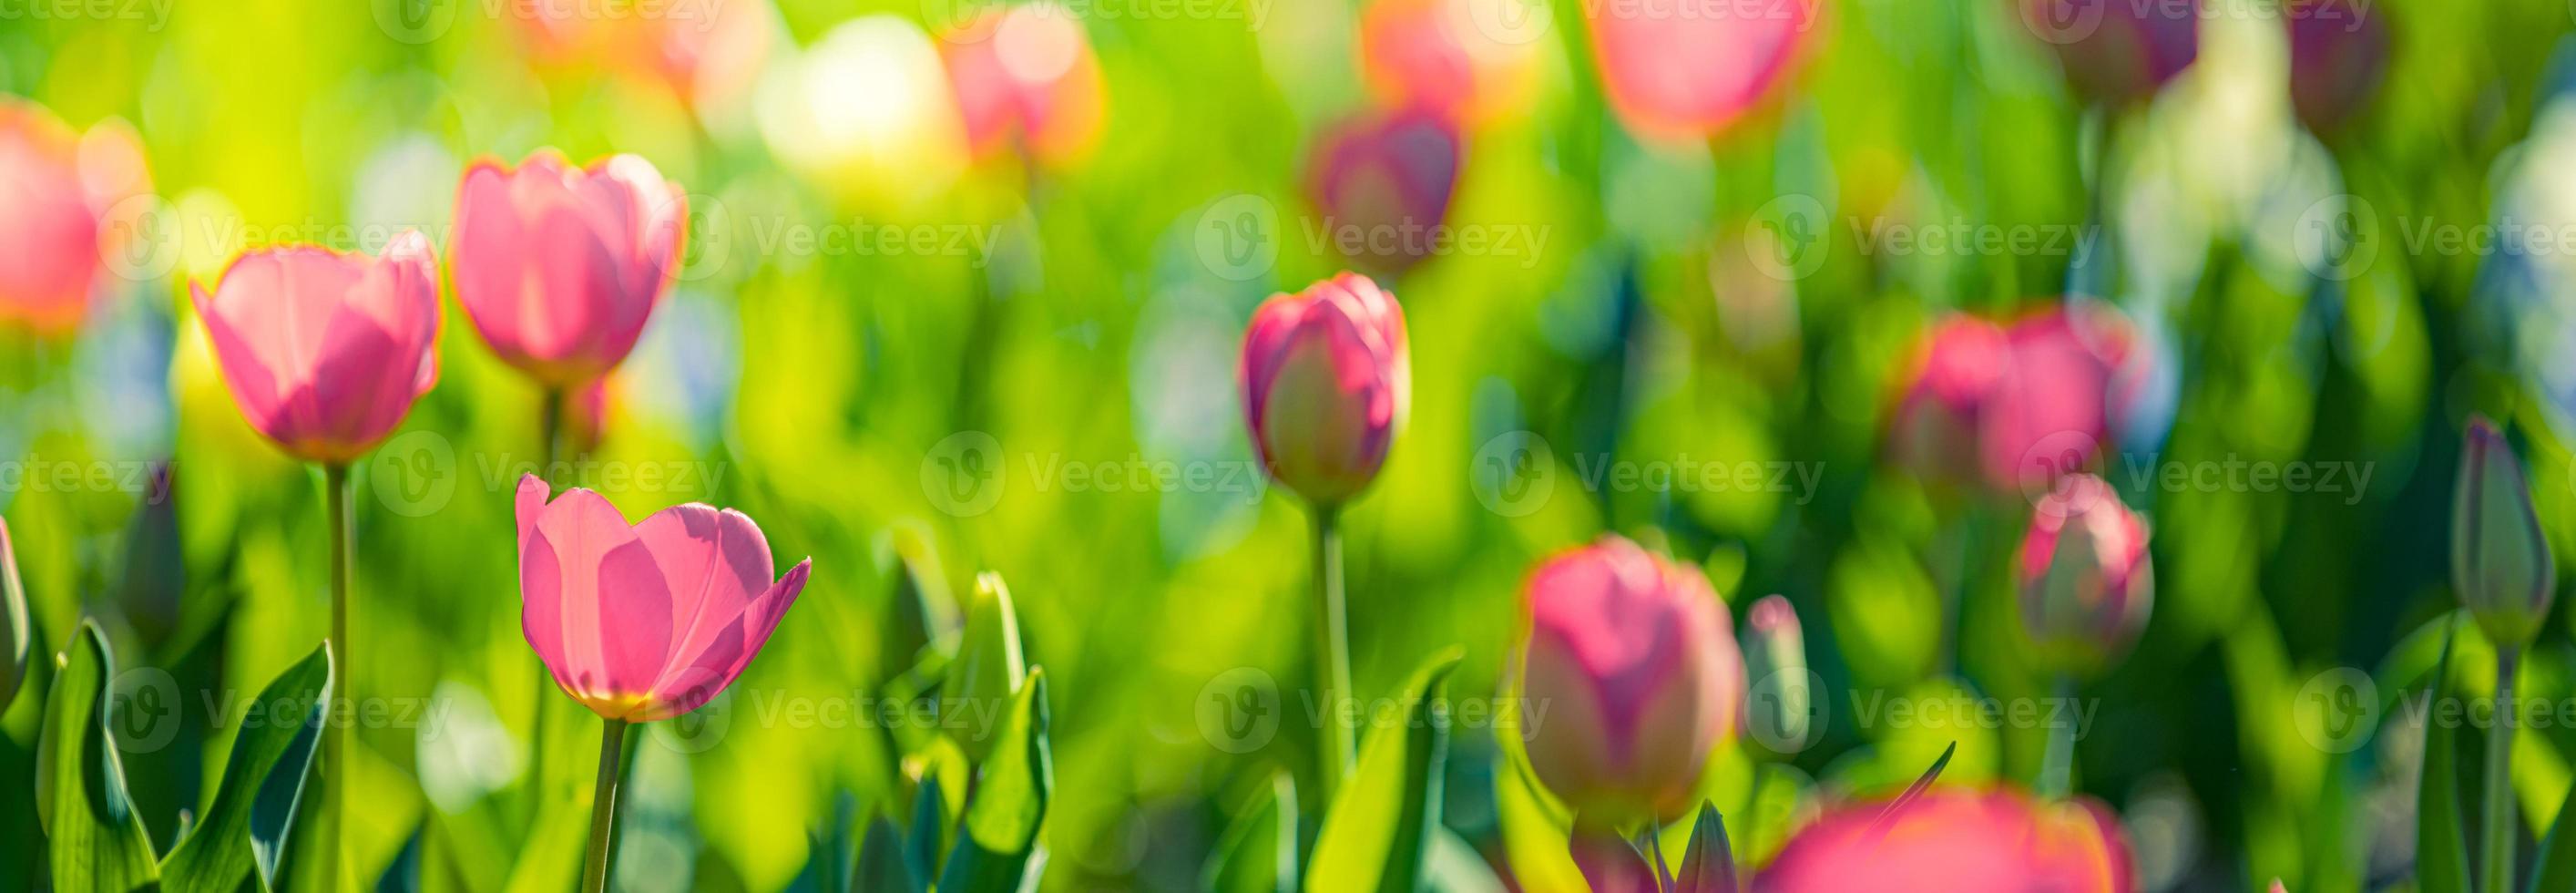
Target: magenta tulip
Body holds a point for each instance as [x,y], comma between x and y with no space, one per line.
[1956,840]
[1472,61]
[1934,430]
[2338,56]
[1682,70]
[1632,659]
[2501,566]
[1326,382]
[55,203]
[559,266]
[2031,403]
[323,351]
[1383,182]
[2117,51]
[2087,583]
[649,621]
[1025,77]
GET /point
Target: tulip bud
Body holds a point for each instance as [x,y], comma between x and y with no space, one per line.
[2086,579]
[2500,562]
[1025,77]
[1962,840]
[2338,56]
[988,669]
[1383,182]
[1775,659]
[1934,431]
[1326,382]
[2117,52]
[1677,72]
[16,636]
[559,266]
[1632,677]
[324,352]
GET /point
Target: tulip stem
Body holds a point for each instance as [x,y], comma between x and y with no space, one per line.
[2057,764]
[2499,801]
[603,805]
[550,430]
[1332,653]
[336,742]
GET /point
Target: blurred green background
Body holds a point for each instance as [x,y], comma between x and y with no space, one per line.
[1073,314]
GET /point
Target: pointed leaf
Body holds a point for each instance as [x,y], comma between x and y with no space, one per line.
[1887,817]
[1709,866]
[17,635]
[1259,849]
[929,839]
[2441,843]
[254,809]
[999,833]
[989,668]
[98,842]
[1377,828]
[884,864]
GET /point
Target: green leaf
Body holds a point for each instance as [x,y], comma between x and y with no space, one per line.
[1000,829]
[1709,866]
[929,838]
[988,670]
[2556,865]
[1259,849]
[884,864]
[2441,844]
[1376,829]
[17,635]
[254,809]
[98,842]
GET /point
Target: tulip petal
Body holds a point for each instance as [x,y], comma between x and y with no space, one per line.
[702,676]
[716,562]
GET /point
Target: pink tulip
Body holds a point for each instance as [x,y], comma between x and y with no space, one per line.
[1383,182]
[1445,55]
[324,352]
[2117,51]
[1934,432]
[645,622]
[1682,70]
[1953,840]
[2019,406]
[1026,75]
[2086,581]
[56,196]
[1326,382]
[1634,659]
[560,266]
[2338,55]
[2501,566]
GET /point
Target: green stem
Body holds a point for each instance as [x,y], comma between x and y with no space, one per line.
[1332,652]
[2499,801]
[2057,765]
[550,428]
[336,744]
[603,805]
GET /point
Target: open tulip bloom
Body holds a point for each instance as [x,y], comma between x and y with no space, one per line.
[642,622]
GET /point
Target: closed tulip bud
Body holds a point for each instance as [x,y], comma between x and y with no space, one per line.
[2338,56]
[1683,71]
[1632,678]
[17,637]
[2116,52]
[1775,659]
[1943,391]
[988,670]
[1326,383]
[648,621]
[2500,562]
[1955,839]
[2087,582]
[324,352]
[1383,182]
[559,266]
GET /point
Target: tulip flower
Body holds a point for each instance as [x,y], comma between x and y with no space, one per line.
[1025,74]
[2338,56]
[1775,658]
[2086,581]
[559,266]
[1934,433]
[1950,839]
[324,353]
[2031,402]
[2116,51]
[1325,384]
[59,215]
[2500,562]
[1684,70]
[1383,182]
[644,622]
[1471,61]
[1633,656]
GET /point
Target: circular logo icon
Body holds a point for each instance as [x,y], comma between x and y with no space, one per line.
[962,473]
[415,21]
[1510,22]
[414,474]
[1787,239]
[143,710]
[1237,237]
[2046,466]
[1513,474]
[697,730]
[2337,237]
[1785,710]
[2337,710]
[1238,710]
[706,237]
[140,238]
[2063,21]
[947,19]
